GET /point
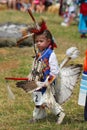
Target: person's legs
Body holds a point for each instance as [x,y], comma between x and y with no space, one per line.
[9,4]
[82,26]
[83,35]
[55,108]
[58,111]
[38,113]
[14,4]
[71,18]
[40,8]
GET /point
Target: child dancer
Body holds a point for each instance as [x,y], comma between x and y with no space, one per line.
[41,97]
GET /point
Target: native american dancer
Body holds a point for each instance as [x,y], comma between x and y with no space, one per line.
[45,72]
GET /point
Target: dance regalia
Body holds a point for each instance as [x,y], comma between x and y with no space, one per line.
[44,58]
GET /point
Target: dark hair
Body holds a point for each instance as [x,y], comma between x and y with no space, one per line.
[46,33]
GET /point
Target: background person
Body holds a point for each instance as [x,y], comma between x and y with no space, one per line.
[82,27]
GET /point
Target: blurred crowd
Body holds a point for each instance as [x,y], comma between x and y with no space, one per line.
[69,10]
[35,5]
[74,9]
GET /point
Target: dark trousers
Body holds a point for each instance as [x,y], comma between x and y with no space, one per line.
[85,110]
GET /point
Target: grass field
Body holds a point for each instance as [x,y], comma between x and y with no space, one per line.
[16,62]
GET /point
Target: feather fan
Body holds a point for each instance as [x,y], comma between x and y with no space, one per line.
[68,77]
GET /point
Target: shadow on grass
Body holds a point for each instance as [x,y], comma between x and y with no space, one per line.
[69,119]
[73,119]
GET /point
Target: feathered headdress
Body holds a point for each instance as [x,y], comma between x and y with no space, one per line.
[39,28]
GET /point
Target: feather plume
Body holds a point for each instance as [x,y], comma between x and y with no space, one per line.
[68,78]
[72,52]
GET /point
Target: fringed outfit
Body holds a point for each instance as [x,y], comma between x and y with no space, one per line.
[44,97]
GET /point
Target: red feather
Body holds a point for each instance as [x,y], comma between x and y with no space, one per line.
[42,28]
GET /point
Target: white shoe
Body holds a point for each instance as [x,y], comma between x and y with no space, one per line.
[64,24]
[60,117]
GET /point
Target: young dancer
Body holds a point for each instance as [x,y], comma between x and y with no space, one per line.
[45,96]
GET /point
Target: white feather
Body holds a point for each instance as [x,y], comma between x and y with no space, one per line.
[72,52]
[68,79]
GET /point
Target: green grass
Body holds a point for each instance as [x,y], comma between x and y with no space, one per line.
[16,62]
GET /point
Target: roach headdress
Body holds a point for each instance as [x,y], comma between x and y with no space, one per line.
[39,29]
